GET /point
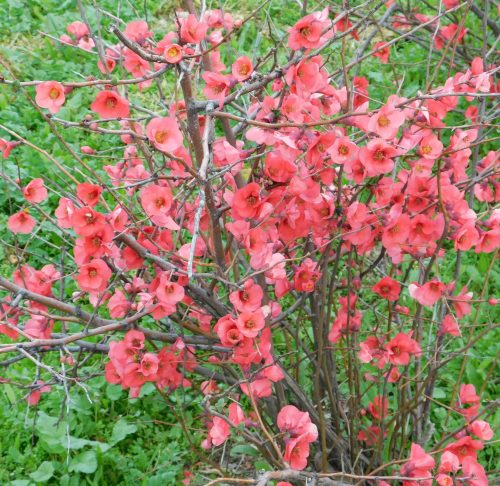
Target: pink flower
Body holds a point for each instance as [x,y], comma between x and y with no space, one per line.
[173,53]
[278,168]
[291,420]
[430,147]
[168,292]
[419,465]
[164,134]
[50,95]
[78,29]
[36,393]
[228,332]
[157,201]
[467,395]
[474,472]
[387,288]
[427,294]
[444,480]
[386,122]
[134,340]
[94,276]
[217,86]
[259,388]
[35,191]
[308,31]
[39,327]
[88,193]
[85,149]
[236,415]
[383,51]
[465,447]
[246,201]
[242,68]
[250,323]
[450,326]
[86,221]
[137,31]
[376,157]
[21,222]
[219,431]
[306,276]
[109,104]
[401,347]
[296,453]
[249,298]
[149,364]
[466,237]
[193,31]
[6,147]
[481,429]
[64,212]
[379,407]
[449,463]
[461,303]
[135,64]
[118,305]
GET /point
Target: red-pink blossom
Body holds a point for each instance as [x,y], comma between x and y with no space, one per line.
[173,53]
[377,156]
[249,298]
[401,348]
[481,429]
[164,134]
[242,68]
[157,202]
[382,51]
[473,472]
[109,104]
[35,191]
[50,95]
[419,465]
[192,30]
[310,31]
[250,323]
[386,122]
[88,193]
[86,221]
[427,294]
[94,276]
[21,222]
[388,288]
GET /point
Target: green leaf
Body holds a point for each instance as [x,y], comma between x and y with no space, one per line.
[243,450]
[43,473]
[113,392]
[86,463]
[10,393]
[121,429]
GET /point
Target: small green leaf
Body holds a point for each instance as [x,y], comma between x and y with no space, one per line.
[86,463]
[43,473]
[244,450]
[121,430]
[113,392]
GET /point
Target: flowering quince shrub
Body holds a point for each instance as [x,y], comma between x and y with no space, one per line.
[269,234]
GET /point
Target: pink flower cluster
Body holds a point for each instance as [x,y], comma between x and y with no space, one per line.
[131,365]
